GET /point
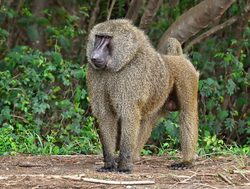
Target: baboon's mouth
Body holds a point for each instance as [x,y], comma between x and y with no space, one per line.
[100,65]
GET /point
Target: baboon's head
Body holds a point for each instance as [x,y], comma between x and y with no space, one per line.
[112,44]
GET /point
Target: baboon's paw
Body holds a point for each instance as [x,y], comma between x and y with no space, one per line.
[124,170]
[106,169]
[181,166]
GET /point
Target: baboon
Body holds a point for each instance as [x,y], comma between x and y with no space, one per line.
[129,83]
[173,47]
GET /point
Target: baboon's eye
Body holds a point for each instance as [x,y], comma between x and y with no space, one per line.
[101,38]
[103,42]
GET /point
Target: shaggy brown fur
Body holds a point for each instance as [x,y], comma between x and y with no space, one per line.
[129,96]
[173,47]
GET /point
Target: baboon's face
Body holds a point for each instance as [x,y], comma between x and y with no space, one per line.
[112,44]
[101,53]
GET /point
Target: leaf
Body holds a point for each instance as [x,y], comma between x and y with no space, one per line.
[64,104]
[64,42]
[229,123]
[57,57]
[40,108]
[5,114]
[79,73]
[231,87]
[222,115]
[4,33]
[77,94]
[32,33]
[210,81]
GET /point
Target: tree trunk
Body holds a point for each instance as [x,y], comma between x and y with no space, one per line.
[94,15]
[243,23]
[110,9]
[195,19]
[134,9]
[149,13]
[37,9]
[211,31]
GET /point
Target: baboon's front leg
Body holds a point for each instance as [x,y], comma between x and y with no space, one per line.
[145,130]
[129,133]
[108,133]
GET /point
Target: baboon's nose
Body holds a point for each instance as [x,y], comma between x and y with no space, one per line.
[93,59]
[96,57]
[98,62]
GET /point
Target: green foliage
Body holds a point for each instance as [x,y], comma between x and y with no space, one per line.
[43,99]
[210,144]
[222,112]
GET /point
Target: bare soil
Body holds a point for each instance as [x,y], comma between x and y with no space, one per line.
[72,171]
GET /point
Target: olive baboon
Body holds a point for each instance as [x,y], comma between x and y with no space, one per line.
[129,84]
[173,47]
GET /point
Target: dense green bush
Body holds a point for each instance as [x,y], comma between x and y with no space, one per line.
[44,102]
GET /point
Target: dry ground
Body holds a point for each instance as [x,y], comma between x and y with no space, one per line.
[71,172]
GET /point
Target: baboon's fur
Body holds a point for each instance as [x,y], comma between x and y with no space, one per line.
[129,96]
[173,47]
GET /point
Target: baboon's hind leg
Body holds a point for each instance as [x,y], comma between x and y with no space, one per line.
[187,91]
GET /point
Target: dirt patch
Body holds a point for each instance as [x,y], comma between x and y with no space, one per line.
[70,172]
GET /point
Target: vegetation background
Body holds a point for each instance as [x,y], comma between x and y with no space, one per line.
[43,95]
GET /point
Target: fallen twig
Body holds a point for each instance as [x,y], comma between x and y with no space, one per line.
[3,177]
[144,182]
[70,177]
[246,184]
[198,174]
[207,174]
[184,181]
[242,173]
[28,164]
[207,186]
[223,177]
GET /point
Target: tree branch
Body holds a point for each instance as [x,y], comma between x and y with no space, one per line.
[195,19]
[173,3]
[134,9]
[211,32]
[37,9]
[94,14]
[110,9]
[149,13]
[243,22]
